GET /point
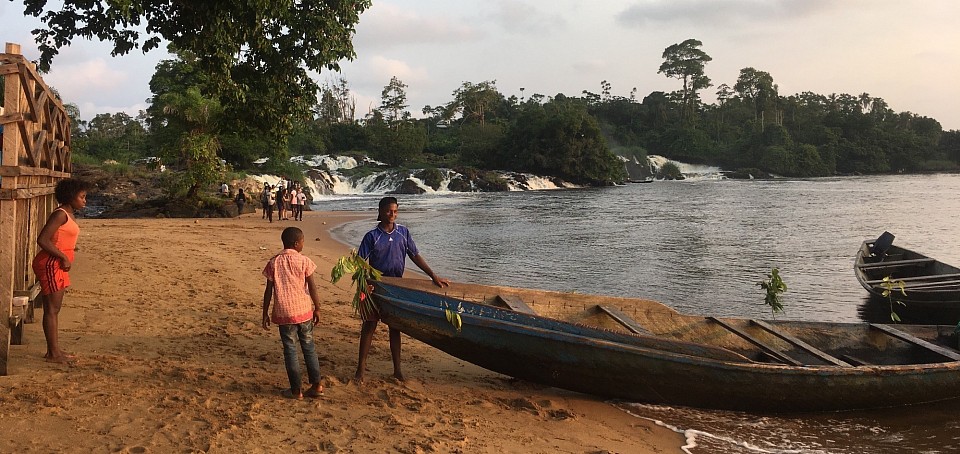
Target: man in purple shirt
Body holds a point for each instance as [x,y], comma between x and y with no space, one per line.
[386,248]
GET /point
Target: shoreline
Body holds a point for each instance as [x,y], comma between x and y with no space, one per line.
[164,317]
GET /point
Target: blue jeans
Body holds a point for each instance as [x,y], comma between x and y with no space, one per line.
[289,335]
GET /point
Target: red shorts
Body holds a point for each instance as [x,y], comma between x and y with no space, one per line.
[53,278]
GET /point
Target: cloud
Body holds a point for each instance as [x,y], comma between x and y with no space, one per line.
[521,17]
[590,66]
[387,68]
[717,12]
[386,26]
[89,75]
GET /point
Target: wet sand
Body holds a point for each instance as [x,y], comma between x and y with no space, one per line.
[164,316]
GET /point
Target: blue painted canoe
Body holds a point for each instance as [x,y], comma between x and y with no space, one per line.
[675,359]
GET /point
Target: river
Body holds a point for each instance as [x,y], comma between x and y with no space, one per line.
[701,246]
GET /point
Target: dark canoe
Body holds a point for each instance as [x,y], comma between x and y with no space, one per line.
[642,351]
[932,287]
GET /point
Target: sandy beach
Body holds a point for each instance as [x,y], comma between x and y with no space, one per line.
[164,316]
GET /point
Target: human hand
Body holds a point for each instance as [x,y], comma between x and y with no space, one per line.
[316,316]
[65,264]
[266,321]
[440,282]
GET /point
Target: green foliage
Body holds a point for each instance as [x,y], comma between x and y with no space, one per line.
[283,167]
[453,316]
[480,143]
[686,61]
[670,171]
[889,286]
[257,55]
[774,286]
[560,138]
[397,146]
[431,177]
[362,274]
[84,159]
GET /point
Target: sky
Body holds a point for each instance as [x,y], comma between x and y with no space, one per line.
[904,51]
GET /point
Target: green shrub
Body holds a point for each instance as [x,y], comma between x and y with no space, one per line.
[431,177]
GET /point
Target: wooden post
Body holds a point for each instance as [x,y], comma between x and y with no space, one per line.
[8,209]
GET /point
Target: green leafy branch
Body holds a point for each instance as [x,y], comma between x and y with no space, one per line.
[889,285]
[362,274]
[453,316]
[774,286]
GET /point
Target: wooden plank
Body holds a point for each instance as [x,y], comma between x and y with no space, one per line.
[623,319]
[515,304]
[763,346]
[894,263]
[925,285]
[16,171]
[9,118]
[907,337]
[26,193]
[929,277]
[800,344]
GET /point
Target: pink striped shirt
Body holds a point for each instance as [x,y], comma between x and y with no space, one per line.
[288,271]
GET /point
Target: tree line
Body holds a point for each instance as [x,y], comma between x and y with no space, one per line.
[204,129]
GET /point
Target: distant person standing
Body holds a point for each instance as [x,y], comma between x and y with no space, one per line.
[265,199]
[57,242]
[294,203]
[271,203]
[296,309]
[281,204]
[387,247]
[240,200]
[224,190]
[302,196]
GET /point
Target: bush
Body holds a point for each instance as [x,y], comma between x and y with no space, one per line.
[431,177]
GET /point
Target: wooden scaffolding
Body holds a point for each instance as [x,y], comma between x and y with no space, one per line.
[35,155]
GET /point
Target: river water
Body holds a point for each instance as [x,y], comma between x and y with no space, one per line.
[701,246]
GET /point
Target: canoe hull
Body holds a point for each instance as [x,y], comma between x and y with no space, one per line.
[932,287]
[635,368]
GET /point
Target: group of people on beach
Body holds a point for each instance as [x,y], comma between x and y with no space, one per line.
[290,297]
[287,197]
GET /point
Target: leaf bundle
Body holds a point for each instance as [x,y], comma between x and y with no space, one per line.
[362,274]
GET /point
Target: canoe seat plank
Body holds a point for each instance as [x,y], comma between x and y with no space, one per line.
[783,357]
[920,285]
[907,337]
[623,319]
[800,344]
[515,304]
[893,263]
[931,277]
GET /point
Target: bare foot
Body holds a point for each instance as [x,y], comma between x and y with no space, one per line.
[399,377]
[61,359]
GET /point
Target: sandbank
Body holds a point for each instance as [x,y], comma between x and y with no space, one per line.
[164,316]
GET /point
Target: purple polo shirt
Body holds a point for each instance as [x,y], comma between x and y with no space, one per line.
[388,252]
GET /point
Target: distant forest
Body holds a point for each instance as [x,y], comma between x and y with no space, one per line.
[582,138]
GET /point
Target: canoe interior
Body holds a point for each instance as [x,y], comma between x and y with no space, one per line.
[853,344]
[932,287]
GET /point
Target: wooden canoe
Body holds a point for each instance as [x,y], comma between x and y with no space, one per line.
[642,351]
[932,287]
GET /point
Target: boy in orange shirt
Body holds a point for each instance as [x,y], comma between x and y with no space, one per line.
[297,308]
